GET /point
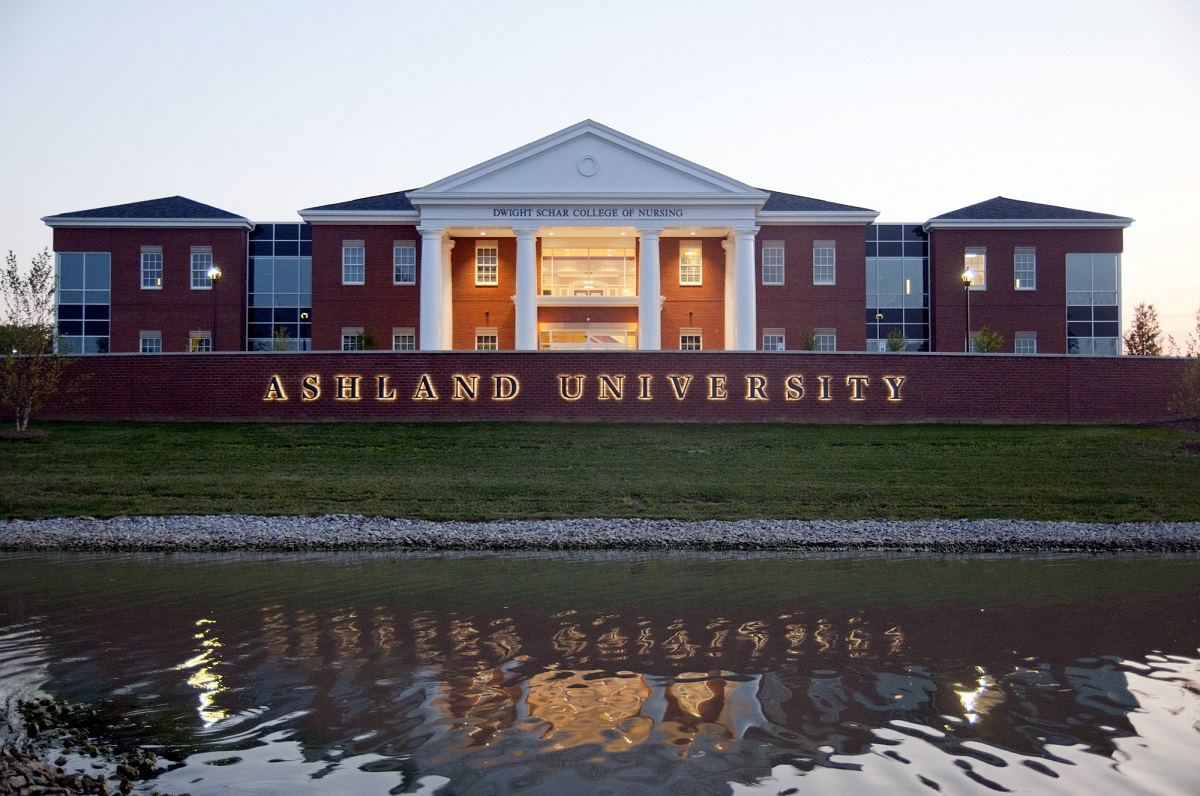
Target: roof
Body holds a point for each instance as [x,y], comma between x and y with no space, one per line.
[167,211]
[395,202]
[1002,211]
[791,203]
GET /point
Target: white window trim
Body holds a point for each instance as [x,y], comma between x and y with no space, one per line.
[819,333]
[152,250]
[692,332]
[774,333]
[351,331]
[494,281]
[347,246]
[1030,250]
[1024,337]
[980,282]
[200,337]
[782,265]
[404,331]
[202,252]
[490,331]
[407,245]
[144,337]
[822,245]
[699,280]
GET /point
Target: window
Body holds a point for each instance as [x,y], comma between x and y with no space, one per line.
[354,262]
[487,265]
[353,338]
[824,263]
[200,342]
[404,339]
[150,342]
[1025,269]
[201,262]
[975,261]
[690,340]
[152,264]
[1025,342]
[486,340]
[690,264]
[279,288]
[772,263]
[1093,304]
[404,263]
[897,277]
[824,340]
[773,340]
[82,302]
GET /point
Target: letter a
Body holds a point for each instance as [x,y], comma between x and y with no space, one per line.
[275,391]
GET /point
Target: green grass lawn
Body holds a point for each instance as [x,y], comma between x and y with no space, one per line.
[524,471]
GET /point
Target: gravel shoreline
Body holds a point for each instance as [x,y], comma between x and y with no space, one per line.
[354,532]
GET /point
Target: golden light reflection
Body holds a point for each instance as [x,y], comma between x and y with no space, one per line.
[203,678]
[979,701]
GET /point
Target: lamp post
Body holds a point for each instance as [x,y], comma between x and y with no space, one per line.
[214,276]
[968,276]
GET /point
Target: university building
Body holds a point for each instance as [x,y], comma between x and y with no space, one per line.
[586,240]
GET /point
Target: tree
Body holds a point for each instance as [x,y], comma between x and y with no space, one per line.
[896,341]
[987,342]
[1142,339]
[31,370]
[1193,340]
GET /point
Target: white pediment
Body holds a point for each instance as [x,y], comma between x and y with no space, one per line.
[586,160]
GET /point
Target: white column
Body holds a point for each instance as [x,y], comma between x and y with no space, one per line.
[526,298]
[432,296]
[745,301]
[730,326]
[447,295]
[649,291]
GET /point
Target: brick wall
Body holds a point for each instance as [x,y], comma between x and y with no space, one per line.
[681,386]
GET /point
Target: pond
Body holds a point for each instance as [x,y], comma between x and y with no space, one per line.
[622,673]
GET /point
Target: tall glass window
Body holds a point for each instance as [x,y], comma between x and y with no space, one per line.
[279,294]
[1093,304]
[595,267]
[82,302]
[897,286]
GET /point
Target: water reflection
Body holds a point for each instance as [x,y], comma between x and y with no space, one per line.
[394,673]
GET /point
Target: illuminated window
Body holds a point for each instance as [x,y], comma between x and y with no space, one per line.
[824,340]
[1025,269]
[404,263]
[353,338]
[690,340]
[486,340]
[975,261]
[150,342]
[354,262]
[201,262]
[690,264]
[1025,342]
[773,340]
[152,268]
[772,263]
[404,339]
[487,264]
[824,263]
[200,342]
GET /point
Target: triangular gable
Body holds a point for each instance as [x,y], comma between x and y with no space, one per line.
[586,159]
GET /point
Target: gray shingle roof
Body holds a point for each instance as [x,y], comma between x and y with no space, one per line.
[397,201]
[168,207]
[790,203]
[1004,209]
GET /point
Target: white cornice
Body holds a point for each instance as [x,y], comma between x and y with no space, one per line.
[1030,223]
[571,199]
[402,217]
[57,222]
[812,217]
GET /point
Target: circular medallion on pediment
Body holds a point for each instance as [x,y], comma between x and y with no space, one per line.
[588,166]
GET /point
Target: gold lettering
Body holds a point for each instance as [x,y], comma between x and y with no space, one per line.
[612,388]
[793,388]
[756,388]
[569,391]
[716,388]
[894,383]
[275,391]
[856,384]
[465,387]
[505,388]
[383,392]
[425,391]
[644,388]
[679,385]
[347,388]
[311,387]
[824,381]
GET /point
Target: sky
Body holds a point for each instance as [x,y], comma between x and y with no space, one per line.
[909,108]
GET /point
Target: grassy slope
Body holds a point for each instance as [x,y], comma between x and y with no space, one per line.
[501,470]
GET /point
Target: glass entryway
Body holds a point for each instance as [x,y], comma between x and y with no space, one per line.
[588,337]
[588,267]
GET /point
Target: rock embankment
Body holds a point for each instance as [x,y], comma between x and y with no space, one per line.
[351,532]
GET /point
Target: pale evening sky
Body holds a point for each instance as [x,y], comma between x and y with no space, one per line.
[909,108]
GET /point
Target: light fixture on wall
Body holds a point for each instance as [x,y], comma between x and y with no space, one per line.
[214,276]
